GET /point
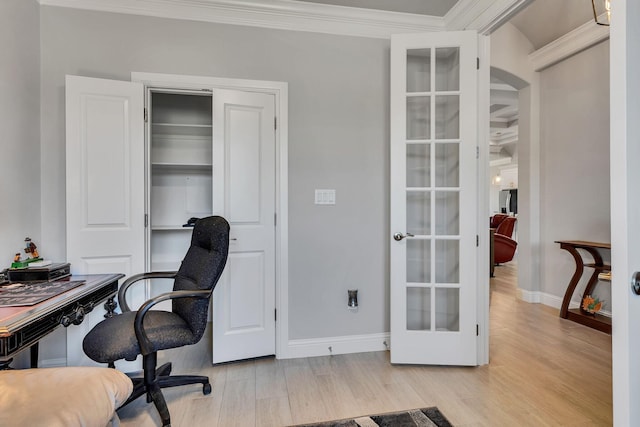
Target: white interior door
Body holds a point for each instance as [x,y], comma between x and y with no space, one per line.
[433,198]
[244,193]
[104,185]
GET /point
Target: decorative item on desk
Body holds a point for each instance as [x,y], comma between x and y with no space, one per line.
[32,255]
[591,305]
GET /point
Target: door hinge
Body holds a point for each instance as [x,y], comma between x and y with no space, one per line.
[146,116]
[477,63]
[275,219]
[146,220]
[477,241]
[275,314]
[477,152]
[477,330]
[275,123]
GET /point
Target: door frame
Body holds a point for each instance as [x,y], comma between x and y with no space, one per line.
[280,92]
[483,189]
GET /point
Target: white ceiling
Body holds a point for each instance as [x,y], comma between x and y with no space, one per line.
[543,21]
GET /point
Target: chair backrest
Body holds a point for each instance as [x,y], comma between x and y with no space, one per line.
[506,226]
[497,219]
[200,269]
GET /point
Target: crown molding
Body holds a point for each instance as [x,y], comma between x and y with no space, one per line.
[583,37]
[483,16]
[274,14]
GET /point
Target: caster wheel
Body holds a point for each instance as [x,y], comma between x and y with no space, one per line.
[206,389]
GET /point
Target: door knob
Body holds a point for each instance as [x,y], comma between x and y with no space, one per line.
[400,236]
[635,283]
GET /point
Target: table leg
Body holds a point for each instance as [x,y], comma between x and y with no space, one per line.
[564,309]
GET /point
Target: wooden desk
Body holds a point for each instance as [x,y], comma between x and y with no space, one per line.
[596,321]
[24,326]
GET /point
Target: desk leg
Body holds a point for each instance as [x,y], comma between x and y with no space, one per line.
[34,350]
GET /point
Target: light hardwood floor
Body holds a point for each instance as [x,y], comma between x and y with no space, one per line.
[543,371]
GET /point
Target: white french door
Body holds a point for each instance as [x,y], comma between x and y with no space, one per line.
[433,198]
[244,192]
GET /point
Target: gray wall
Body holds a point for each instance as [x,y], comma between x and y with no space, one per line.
[575,191]
[338,138]
[20,124]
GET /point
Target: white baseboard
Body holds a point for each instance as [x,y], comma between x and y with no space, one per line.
[536,297]
[52,363]
[528,296]
[336,345]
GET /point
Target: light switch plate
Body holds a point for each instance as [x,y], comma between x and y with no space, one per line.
[325,197]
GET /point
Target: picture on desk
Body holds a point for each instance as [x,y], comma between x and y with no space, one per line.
[25,294]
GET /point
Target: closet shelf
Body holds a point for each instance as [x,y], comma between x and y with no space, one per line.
[181,125]
[188,166]
[170,228]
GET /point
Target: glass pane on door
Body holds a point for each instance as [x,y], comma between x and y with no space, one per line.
[418,309]
[447,213]
[418,165]
[447,254]
[447,165]
[418,70]
[447,69]
[418,261]
[419,212]
[418,117]
[447,117]
[447,309]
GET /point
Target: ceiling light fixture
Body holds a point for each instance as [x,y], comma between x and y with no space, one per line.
[606,5]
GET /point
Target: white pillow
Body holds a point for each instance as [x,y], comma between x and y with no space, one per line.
[64,397]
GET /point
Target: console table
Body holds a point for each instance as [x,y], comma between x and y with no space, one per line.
[596,321]
[22,327]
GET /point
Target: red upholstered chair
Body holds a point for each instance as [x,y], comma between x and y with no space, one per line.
[496,219]
[504,248]
[507,226]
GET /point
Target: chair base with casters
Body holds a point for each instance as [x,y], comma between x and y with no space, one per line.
[145,331]
[154,379]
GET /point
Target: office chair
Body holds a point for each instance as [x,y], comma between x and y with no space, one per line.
[145,331]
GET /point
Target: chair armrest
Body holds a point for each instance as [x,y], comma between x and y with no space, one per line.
[141,335]
[122,298]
